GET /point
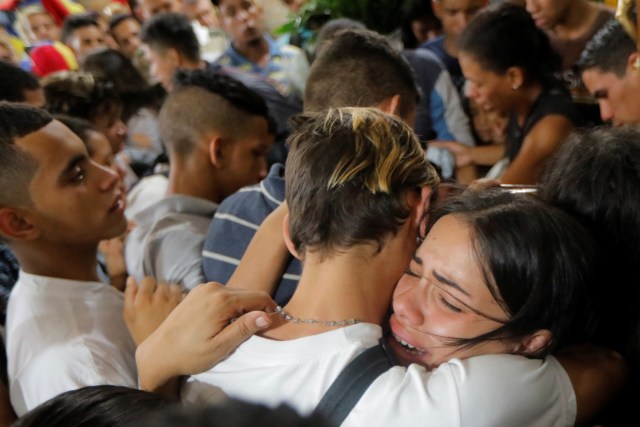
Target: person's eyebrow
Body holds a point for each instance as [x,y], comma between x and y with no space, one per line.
[71,164]
[448,282]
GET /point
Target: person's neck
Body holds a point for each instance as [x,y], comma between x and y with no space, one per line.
[580,18]
[194,181]
[355,283]
[451,46]
[61,261]
[528,96]
[254,51]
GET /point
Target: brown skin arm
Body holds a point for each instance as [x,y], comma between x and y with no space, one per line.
[596,374]
[265,259]
[540,143]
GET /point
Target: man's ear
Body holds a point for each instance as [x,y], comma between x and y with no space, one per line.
[14,225]
[217,152]
[516,77]
[286,233]
[391,105]
[633,63]
[418,201]
[534,344]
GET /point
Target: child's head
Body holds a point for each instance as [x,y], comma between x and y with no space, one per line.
[349,174]
[36,25]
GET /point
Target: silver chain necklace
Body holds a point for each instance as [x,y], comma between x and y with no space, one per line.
[289,318]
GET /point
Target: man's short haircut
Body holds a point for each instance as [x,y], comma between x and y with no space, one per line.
[360,69]
[171,31]
[16,166]
[608,50]
[119,19]
[14,82]
[73,22]
[203,101]
[348,174]
[333,28]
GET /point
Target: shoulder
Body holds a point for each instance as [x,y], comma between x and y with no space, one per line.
[521,391]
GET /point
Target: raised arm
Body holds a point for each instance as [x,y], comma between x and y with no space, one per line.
[265,259]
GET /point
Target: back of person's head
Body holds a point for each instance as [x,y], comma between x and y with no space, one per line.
[332,29]
[503,36]
[360,69]
[348,174]
[96,406]
[204,101]
[512,235]
[171,31]
[16,166]
[14,82]
[608,50]
[233,413]
[76,21]
[80,94]
[112,65]
[595,176]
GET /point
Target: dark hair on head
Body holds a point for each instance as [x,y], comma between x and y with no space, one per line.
[14,82]
[536,260]
[171,31]
[16,166]
[118,19]
[96,406]
[75,21]
[360,69]
[80,94]
[234,413]
[608,50]
[348,174]
[223,104]
[595,176]
[80,127]
[503,36]
[418,9]
[131,86]
[332,28]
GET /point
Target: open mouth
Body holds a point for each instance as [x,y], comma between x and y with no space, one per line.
[118,205]
[405,345]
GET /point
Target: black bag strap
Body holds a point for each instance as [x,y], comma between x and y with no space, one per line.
[353,381]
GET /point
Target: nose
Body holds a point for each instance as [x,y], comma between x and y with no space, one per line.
[262,174]
[107,177]
[407,302]
[606,112]
[472,90]
[531,6]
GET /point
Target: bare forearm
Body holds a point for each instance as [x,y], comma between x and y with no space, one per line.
[486,155]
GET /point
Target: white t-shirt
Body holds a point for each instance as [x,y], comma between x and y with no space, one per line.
[63,335]
[496,390]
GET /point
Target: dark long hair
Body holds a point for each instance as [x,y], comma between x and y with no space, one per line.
[536,262]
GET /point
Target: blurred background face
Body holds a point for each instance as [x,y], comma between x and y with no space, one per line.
[617,96]
[150,8]
[548,13]
[455,14]
[242,19]
[86,40]
[490,91]
[127,36]
[43,28]
[203,12]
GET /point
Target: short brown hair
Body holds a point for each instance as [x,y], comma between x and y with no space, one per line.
[348,173]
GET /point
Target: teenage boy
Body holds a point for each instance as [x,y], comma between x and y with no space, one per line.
[214,150]
[64,327]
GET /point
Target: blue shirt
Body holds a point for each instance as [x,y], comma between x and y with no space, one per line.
[452,64]
[234,225]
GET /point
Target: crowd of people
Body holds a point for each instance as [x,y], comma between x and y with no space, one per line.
[204,224]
